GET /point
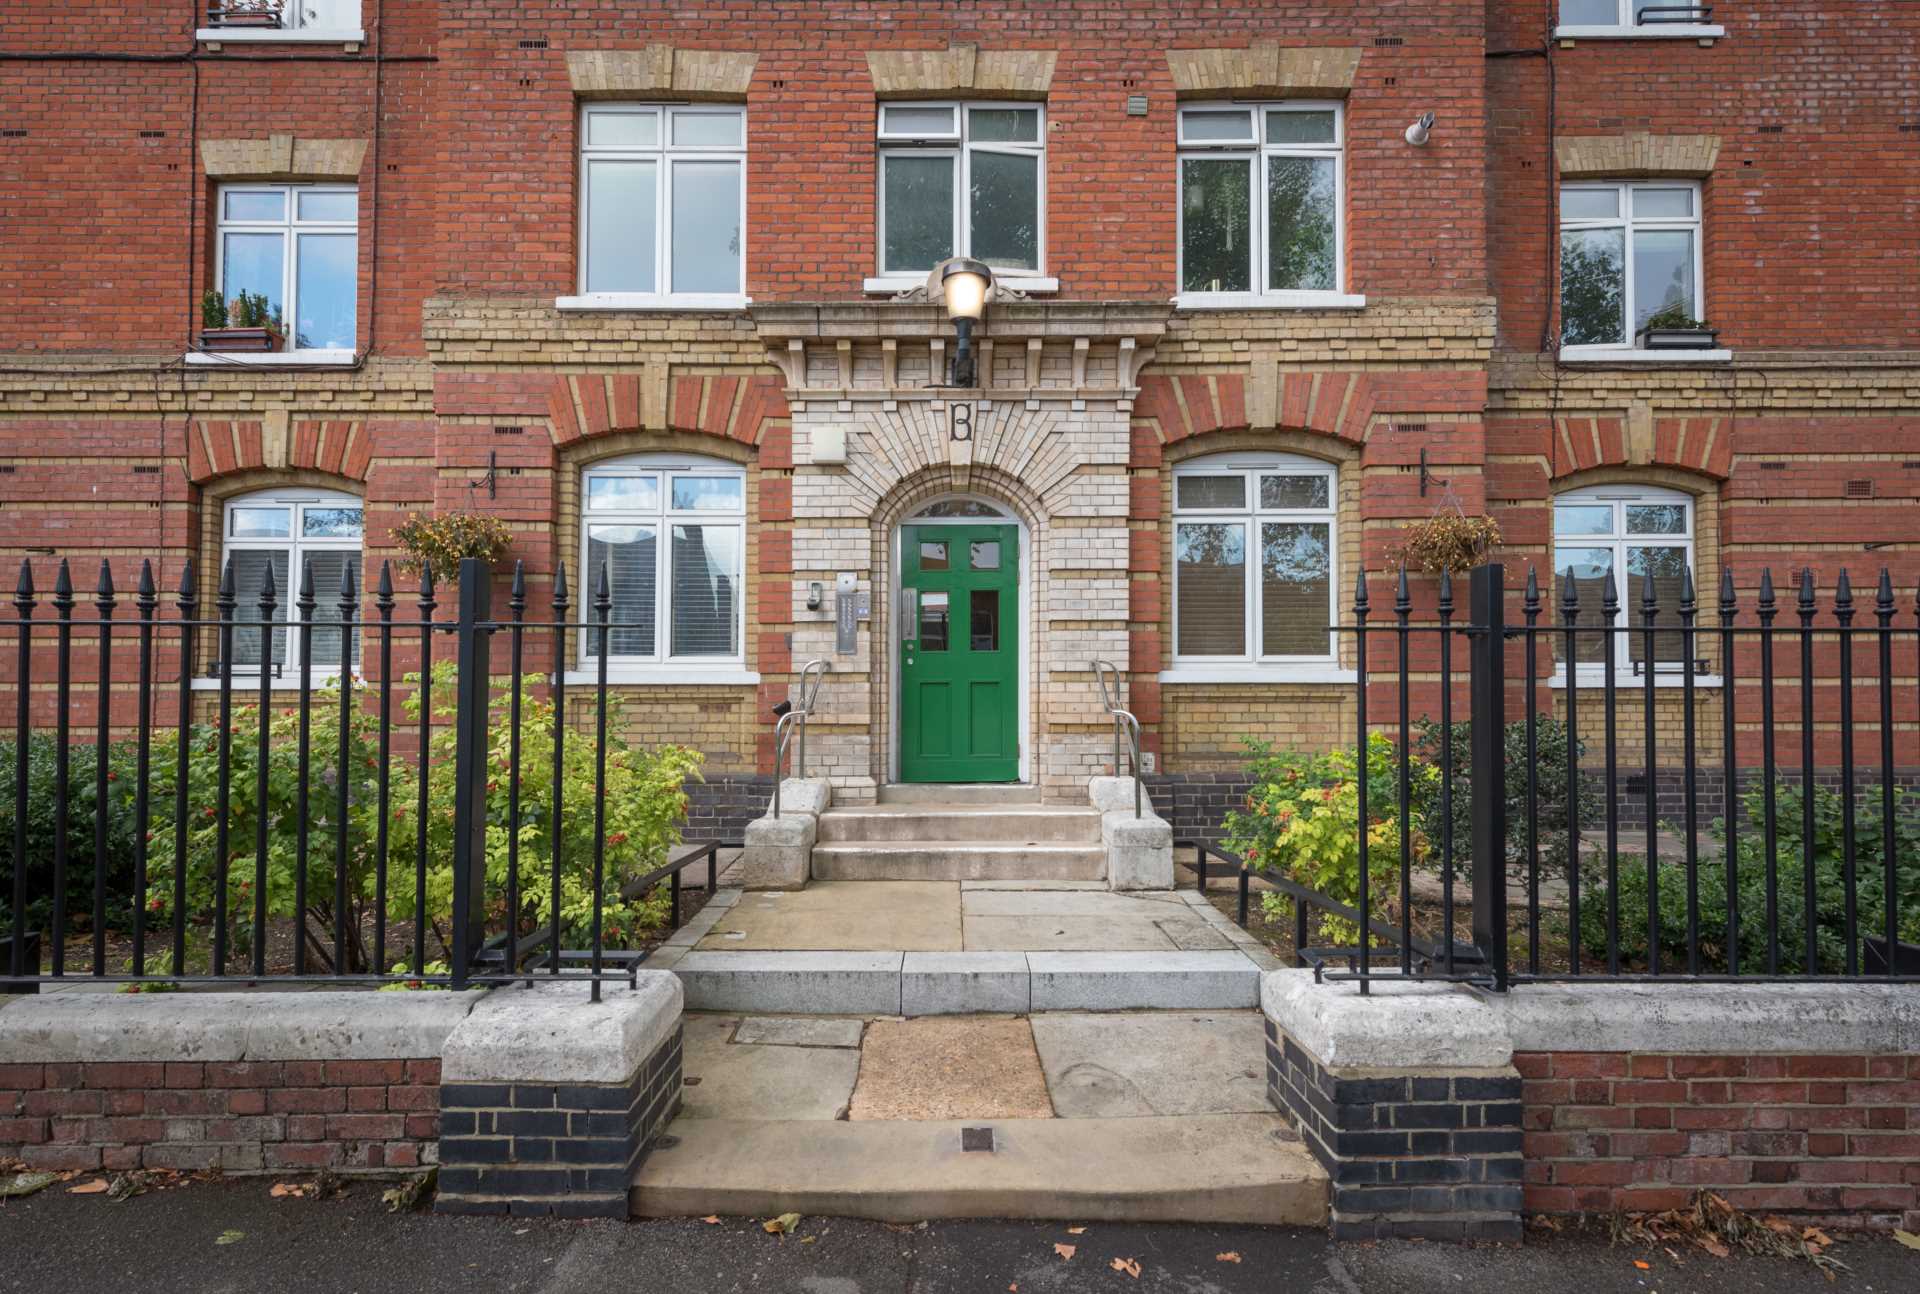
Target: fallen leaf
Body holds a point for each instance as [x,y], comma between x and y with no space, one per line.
[1907,1238]
[1230,1256]
[230,1237]
[411,1193]
[97,1186]
[18,1184]
[1074,1231]
[1065,1251]
[1128,1265]
[807,1240]
[1714,1247]
[1645,1267]
[281,1190]
[712,1219]
[781,1225]
[1814,1235]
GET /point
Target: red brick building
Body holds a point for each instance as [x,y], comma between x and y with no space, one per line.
[632,279]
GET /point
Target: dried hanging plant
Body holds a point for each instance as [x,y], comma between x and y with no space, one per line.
[448,537]
[1449,541]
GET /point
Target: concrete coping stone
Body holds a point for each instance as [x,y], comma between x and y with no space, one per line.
[1423,1026]
[67,1028]
[556,1033]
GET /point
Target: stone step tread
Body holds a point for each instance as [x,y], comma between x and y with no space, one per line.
[961,808]
[958,792]
[1056,847]
[1228,1168]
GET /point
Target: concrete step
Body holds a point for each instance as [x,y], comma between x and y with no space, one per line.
[991,793]
[1222,1168]
[957,860]
[1002,824]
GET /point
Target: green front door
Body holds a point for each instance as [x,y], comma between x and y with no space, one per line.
[959,654]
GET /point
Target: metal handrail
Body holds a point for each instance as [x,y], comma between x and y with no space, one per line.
[1123,724]
[795,720]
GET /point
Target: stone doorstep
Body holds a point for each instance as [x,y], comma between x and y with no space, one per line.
[933,983]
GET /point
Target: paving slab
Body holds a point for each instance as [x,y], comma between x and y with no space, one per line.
[1145,905]
[969,1067]
[1154,1063]
[963,983]
[799,1031]
[1132,981]
[1138,933]
[843,916]
[1096,886]
[741,1081]
[796,983]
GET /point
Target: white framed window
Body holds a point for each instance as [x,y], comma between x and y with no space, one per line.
[297,245]
[1642,18]
[1262,202]
[265,20]
[297,534]
[663,205]
[1254,555]
[962,179]
[671,533]
[1609,532]
[1627,249]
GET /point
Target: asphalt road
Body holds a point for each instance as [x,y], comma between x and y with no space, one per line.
[57,1242]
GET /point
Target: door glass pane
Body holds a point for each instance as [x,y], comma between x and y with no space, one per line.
[1593,286]
[918,122]
[1301,255]
[622,129]
[1590,204]
[983,620]
[1590,13]
[1583,519]
[1664,569]
[917,208]
[1294,492]
[621,215]
[1216,224]
[1663,204]
[706,564]
[1006,209]
[329,268]
[1587,569]
[328,205]
[1295,588]
[933,557]
[630,554]
[1210,126]
[1662,271]
[632,493]
[707,493]
[260,523]
[706,129]
[933,622]
[330,523]
[1310,127]
[984,555]
[1211,589]
[1193,491]
[327,567]
[1004,125]
[255,206]
[706,226]
[249,574]
[252,263]
[1657,519]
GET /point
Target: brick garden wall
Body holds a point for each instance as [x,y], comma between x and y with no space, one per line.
[237,1117]
[1830,1137]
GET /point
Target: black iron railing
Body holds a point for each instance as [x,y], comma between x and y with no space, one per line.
[350,820]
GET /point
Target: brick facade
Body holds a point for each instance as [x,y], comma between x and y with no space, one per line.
[468,372]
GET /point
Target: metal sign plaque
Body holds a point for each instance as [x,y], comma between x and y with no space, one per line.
[846,615]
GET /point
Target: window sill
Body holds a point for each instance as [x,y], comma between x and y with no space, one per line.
[271,359]
[651,301]
[245,685]
[1328,673]
[1657,31]
[662,676]
[1269,301]
[894,284]
[1634,355]
[1627,681]
[279,36]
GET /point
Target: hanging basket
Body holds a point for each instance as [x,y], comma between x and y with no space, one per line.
[1447,542]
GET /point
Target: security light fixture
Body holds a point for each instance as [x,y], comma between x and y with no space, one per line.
[965,284]
[1422,126]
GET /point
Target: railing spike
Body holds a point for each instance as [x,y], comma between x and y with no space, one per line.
[1689,601]
[1402,595]
[1729,599]
[103,587]
[23,590]
[349,589]
[1806,593]
[267,588]
[1569,597]
[603,587]
[518,597]
[306,601]
[1360,592]
[1531,603]
[560,585]
[1609,597]
[1649,599]
[426,581]
[1766,591]
[1843,593]
[63,583]
[1446,590]
[146,589]
[384,590]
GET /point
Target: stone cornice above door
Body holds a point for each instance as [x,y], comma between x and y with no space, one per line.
[897,350]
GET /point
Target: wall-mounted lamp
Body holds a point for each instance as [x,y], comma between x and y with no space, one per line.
[1422,127]
[815,592]
[965,284]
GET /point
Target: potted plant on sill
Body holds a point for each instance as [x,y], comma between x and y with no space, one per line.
[1672,328]
[247,325]
[245,13]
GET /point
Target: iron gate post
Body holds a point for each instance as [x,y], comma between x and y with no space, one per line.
[471,694]
[1487,753]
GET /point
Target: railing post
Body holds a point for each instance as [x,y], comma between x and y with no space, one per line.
[1487,754]
[472,691]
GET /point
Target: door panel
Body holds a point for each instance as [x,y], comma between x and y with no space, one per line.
[959,658]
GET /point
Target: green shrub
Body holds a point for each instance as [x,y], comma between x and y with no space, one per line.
[1551,805]
[1302,820]
[1750,877]
[41,749]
